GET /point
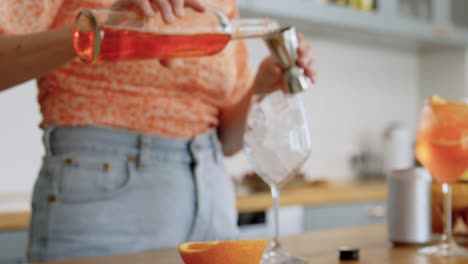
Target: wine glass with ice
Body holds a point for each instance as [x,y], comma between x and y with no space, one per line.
[277,143]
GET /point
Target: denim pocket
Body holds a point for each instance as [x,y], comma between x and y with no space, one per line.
[82,178]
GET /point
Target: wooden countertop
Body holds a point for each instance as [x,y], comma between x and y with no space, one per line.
[317,247]
[315,196]
[10,221]
[307,196]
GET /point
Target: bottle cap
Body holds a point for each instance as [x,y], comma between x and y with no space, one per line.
[348,253]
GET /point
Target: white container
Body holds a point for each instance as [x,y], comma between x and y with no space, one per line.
[409,206]
[398,148]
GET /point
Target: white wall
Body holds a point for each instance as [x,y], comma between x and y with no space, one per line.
[443,71]
[360,90]
[20,141]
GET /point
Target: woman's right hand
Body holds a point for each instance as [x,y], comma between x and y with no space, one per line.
[168,8]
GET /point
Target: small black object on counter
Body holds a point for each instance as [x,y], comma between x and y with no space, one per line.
[348,253]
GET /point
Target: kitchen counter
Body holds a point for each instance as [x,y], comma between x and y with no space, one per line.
[14,211]
[14,220]
[315,196]
[317,247]
[17,217]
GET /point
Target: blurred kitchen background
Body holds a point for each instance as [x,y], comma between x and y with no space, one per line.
[377,60]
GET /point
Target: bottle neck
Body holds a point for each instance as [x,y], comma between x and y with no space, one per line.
[253,28]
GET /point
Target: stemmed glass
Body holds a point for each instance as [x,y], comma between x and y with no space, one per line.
[442,147]
[277,142]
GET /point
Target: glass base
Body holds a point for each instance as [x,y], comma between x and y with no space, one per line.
[450,249]
[277,255]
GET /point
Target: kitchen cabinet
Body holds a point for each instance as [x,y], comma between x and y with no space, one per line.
[343,215]
[13,246]
[298,219]
[434,22]
[291,221]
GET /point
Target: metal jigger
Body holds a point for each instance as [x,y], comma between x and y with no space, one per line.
[283,46]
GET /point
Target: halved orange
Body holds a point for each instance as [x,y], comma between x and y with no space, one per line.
[226,252]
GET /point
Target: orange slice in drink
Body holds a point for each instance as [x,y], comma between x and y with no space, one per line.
[226,252]
[447,111]
[448,122]
[437,99]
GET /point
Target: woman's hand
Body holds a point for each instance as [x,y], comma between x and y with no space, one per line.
[168,8]
[270,76]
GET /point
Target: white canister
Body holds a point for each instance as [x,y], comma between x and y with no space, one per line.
[409,206]
[398,148]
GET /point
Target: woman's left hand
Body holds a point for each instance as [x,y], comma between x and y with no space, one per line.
[270,76]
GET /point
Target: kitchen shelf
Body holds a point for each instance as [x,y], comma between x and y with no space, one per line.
[384,23]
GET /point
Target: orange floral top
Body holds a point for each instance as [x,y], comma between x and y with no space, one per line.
[143,96]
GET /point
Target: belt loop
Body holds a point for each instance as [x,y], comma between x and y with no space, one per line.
[214,145]
[144,150]
[46,139]
[193,149]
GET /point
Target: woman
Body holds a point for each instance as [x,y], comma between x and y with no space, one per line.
[133,149]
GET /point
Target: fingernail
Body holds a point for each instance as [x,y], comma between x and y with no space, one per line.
[202,8]
[170,18]
[299,51]
[301,62]
[180,11]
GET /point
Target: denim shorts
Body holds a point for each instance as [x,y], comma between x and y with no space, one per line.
[104,191]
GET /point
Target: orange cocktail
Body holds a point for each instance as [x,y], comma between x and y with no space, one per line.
[442,141]
[442,148]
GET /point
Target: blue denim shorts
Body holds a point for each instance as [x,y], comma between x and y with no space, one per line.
[104,191]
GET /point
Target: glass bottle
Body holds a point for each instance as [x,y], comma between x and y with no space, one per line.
[109,35]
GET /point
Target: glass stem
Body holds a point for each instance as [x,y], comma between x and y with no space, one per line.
[447,236]
[275,194]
